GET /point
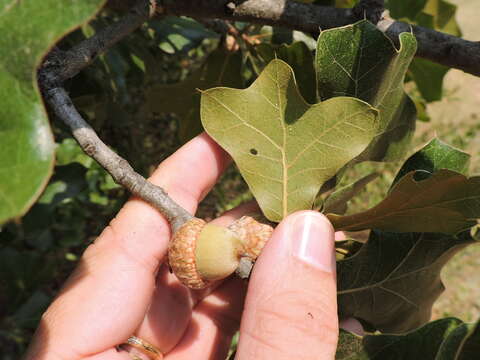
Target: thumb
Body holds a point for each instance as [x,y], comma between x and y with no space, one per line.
[291,305]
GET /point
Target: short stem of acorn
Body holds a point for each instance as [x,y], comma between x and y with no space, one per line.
[245,267]
[253,236]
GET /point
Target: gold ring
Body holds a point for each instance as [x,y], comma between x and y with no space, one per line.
[145,348]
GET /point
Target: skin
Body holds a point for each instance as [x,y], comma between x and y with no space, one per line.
[122,287]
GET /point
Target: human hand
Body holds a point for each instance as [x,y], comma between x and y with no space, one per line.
[120,287]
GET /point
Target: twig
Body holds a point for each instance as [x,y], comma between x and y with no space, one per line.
[432,45]
[116,166]
[59,66]
[69,63]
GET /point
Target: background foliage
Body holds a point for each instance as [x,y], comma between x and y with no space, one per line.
[123,96]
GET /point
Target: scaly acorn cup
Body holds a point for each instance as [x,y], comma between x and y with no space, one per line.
[201,253]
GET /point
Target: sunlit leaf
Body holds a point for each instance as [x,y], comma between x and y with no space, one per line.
[434,156]
[359,60]
[285,148]
[29,29]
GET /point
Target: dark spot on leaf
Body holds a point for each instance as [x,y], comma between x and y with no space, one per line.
[253,151]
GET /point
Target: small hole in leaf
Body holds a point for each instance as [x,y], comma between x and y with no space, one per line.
[253,151]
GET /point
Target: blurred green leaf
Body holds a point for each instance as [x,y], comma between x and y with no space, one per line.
[443,339]
[67,182]
[394,279]
[221,68]
[433,14]
[29,313]
[429,78]
[296,36]
[420,105]
[22,272]
[405,8]
[26,158]
[360,61]
[285,148]
[179,34]
[69,151]
[443,13]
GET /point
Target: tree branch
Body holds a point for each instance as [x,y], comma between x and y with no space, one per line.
[117,167]
[287,13]
[71,62]
[432,45]
[59,66]
[438,47]
[370,9]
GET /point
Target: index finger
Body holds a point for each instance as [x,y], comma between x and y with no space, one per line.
[105,299]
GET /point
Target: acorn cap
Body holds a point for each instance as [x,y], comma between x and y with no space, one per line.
[181,254]
[253,235]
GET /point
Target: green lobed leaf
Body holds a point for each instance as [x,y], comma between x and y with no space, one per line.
[446,202]
[434,156]
[220,68]
[394,279]
[27,147]
[405,8]
[300,58]
[285,148]
[443,13]
[443,339]
[359,60]
[434,14]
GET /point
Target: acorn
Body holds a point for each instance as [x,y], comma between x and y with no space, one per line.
[201,253]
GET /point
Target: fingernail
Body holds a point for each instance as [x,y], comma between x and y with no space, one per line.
[352,325]
[314,241]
